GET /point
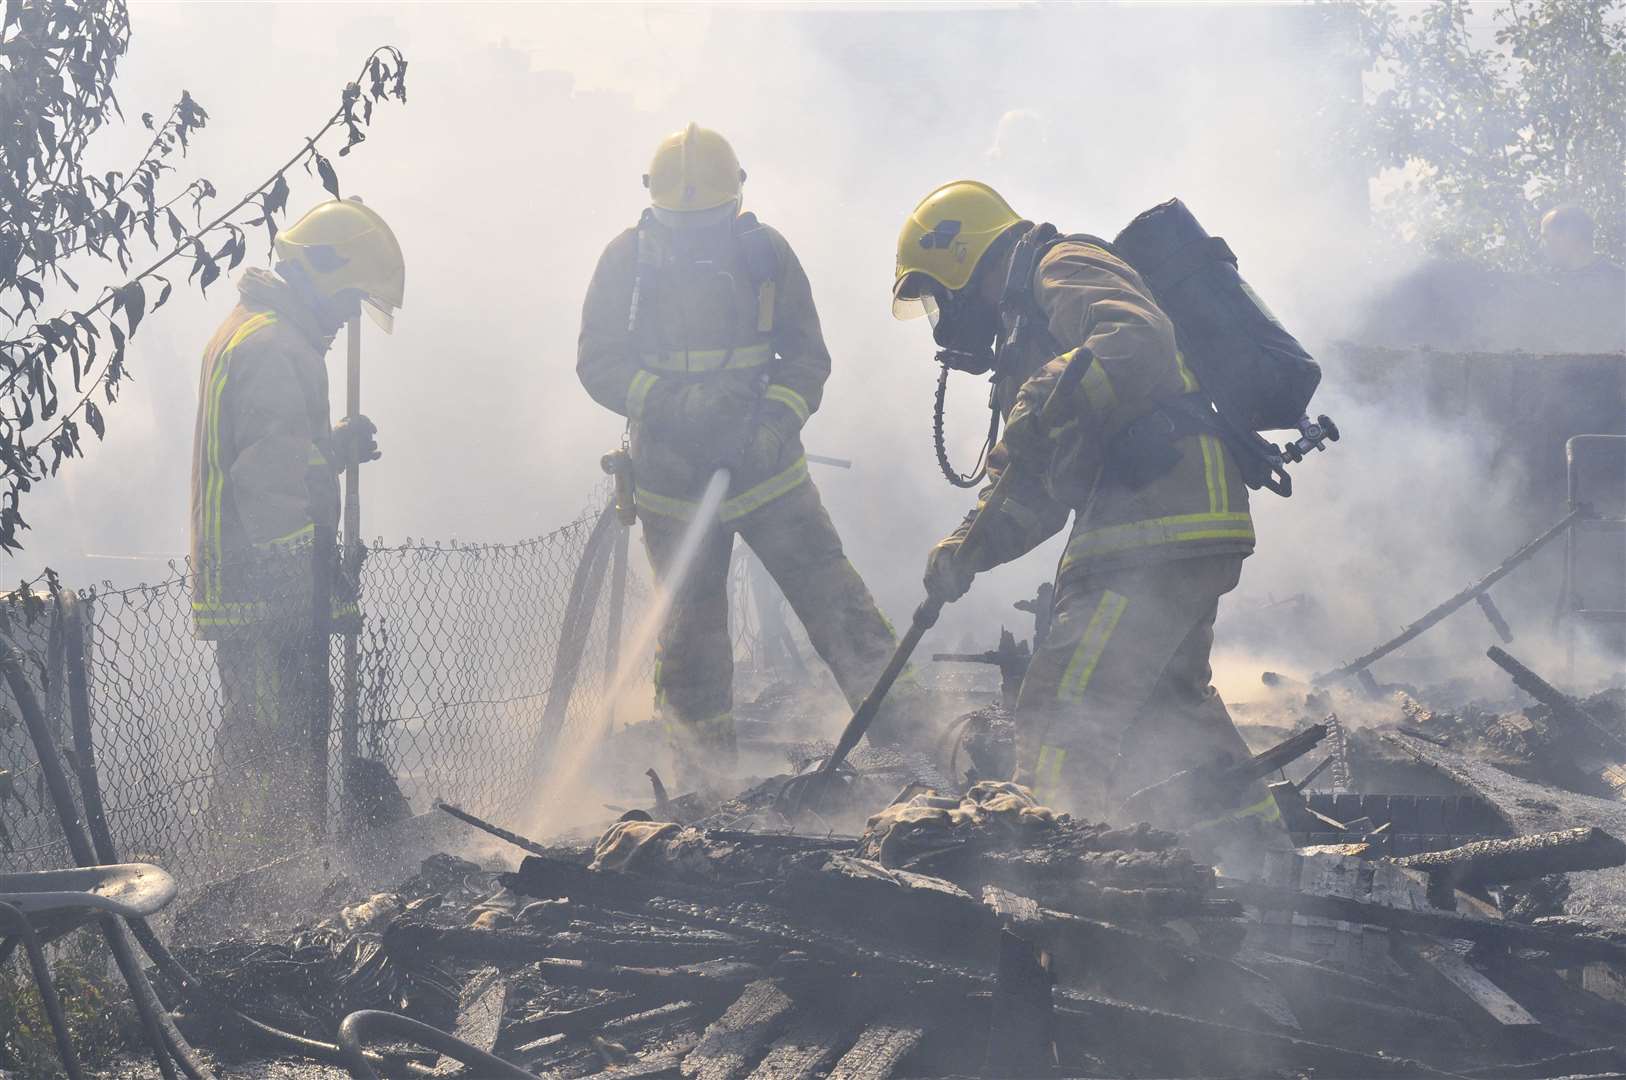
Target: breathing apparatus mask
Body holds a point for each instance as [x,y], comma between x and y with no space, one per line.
[964,326]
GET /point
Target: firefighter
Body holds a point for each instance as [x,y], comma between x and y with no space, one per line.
[699,328]
[265,500]
[1118,695]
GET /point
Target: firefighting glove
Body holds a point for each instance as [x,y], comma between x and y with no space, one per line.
[706,421]
[948,576]
[765,454]
[354,441]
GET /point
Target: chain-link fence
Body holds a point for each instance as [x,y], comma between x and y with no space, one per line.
[455,672]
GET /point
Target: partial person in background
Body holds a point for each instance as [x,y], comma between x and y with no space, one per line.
[265,501]
[699,328]
[1592,297]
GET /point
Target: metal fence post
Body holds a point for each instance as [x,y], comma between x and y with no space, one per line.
[350,718]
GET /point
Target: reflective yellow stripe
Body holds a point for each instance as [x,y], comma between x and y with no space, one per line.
[699,360]
[652,503]
[766,492]
[638,391]
[1158,531]
[304,532]
[1098,390]
[1211,464]
[789,398]
[1047,782]
[1187,380]
[315,456]
[1265,810]
[765,293]
[1090,647]
[208,575]
[737,507]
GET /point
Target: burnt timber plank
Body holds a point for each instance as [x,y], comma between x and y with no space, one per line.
[664,1062]
[736,1040]
[1175,1045]
[479,1015]
[1476,986]
[1524,857]
[1563,947]
[879,1049]
[1598,896]
[813,1041]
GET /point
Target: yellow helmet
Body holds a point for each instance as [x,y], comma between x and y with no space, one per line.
[694,178]
[344,246]
[943,239]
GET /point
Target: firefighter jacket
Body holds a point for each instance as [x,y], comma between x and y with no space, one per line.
[261,479]
[721,363]
[1198,505]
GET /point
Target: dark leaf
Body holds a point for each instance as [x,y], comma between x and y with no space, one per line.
[163,294]
[132,298]
[146,120]
[276,200]
[330,179]
[32,292]
[176,230]
[93,417]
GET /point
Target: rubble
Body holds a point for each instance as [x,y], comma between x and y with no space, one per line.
[962,933]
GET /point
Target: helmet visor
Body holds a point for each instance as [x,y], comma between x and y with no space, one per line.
[915,295]
[697,219]
[381,312]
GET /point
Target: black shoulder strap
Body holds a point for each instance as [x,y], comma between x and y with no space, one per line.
[757,248]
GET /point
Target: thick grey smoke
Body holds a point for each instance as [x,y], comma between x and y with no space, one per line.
[519,156]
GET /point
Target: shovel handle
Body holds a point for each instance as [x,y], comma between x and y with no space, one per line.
[926,614]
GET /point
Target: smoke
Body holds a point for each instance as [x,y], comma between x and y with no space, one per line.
[519,157]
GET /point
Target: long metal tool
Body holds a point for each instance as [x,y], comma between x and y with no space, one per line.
[805,791]
[495,830]
[350,721]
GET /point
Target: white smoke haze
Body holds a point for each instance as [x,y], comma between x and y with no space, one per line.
[519,155]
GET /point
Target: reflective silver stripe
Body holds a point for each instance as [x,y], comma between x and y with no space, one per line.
[699,360]
[1157,531]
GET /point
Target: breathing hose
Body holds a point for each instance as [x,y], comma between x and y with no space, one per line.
[952,475]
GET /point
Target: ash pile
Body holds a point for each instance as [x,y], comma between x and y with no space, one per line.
[1444,895]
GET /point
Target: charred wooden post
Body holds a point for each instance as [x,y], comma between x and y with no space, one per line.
[1021,1041]
[1494,861]
[1563,707]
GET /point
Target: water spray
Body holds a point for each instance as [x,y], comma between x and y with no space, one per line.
[567,761]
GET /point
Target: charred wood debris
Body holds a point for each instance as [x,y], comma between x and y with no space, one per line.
[1445,895]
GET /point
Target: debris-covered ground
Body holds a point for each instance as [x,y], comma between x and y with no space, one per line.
[1447,897]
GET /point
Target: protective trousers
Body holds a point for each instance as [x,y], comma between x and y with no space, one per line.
[798,545]
[265,771]
[1118,696]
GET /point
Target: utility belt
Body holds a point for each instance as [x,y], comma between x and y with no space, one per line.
[1145,449]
